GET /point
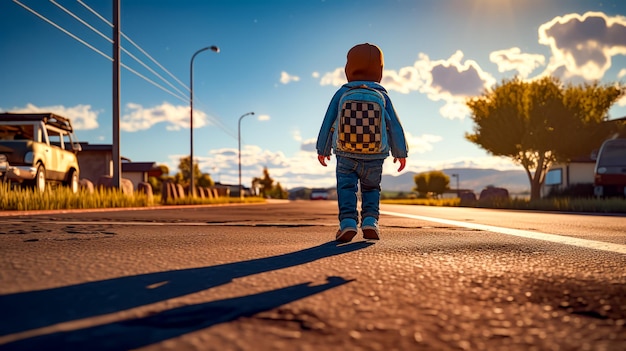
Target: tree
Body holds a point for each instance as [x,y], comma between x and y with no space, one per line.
[267,188]
[264,183]
[433,182]
[204,180]
[278,192]
[157,182]
[540,122]
[183,176]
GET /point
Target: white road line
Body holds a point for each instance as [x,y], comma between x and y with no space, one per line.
[590,244]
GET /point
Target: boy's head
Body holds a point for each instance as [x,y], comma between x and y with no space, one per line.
[365,62]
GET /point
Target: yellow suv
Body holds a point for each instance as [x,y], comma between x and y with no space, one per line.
[37,149]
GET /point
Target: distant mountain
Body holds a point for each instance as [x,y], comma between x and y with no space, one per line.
[475,179]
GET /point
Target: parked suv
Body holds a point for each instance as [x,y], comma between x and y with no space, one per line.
[37,149]
[610,170]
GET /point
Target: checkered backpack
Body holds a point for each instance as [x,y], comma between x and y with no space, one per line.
[361,122]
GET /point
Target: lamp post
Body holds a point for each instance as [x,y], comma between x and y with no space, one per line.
[239,142]
[456,175]
[192,190]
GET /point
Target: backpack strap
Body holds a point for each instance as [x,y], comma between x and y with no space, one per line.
[363,86]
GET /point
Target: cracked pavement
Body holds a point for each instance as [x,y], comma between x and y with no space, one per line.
[270,277]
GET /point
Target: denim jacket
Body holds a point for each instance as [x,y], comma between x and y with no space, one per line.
[396,142]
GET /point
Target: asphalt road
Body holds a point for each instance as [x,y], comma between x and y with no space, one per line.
[270,277]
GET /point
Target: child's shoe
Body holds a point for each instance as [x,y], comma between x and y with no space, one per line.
[369,226]
[347,230]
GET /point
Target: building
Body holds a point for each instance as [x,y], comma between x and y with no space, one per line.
[579,171]
[562,176]
[138,172]
[96,160]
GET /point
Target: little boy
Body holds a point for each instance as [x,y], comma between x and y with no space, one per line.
[364,67]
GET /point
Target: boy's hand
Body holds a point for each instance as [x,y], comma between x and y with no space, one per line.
[402,163]
[323,159]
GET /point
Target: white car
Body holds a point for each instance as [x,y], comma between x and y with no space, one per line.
[37,149]
[319,194]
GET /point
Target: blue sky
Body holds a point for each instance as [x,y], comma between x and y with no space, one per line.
[283,60]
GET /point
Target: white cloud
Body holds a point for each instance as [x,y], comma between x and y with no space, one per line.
[583,45]
[315,75]
[449,80]
[417,144]
[263,118]
[454,109]
[580,46]
[514,60]
[421,144]
[286,78]
[622,73]
[416,165]
[407,79]
[176,117]
[334,78]
[303,168]
[452,80]
[81,116]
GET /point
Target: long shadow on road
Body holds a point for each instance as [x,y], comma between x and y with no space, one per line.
[135,333]
[41,308]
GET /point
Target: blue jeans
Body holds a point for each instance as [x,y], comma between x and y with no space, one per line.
[351,172]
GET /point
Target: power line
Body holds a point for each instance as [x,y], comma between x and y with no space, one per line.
[95,13]
[156,74]
[93,48]
[62,29]
[81,21]
[215,120]
[151,82]
[134,44]
[111,41]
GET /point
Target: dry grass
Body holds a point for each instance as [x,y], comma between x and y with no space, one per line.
[60,198]
[593,205]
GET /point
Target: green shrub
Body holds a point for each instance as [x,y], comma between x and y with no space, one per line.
[573,191]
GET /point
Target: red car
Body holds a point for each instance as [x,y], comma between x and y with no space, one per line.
[319,194]
[610,170]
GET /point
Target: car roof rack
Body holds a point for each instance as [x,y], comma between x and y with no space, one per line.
[47,117]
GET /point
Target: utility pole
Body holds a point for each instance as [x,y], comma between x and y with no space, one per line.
[117,163]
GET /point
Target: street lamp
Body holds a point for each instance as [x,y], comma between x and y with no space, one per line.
[239,141]
[456,175]
[192,190]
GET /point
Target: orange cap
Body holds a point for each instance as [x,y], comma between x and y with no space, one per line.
[365,62]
